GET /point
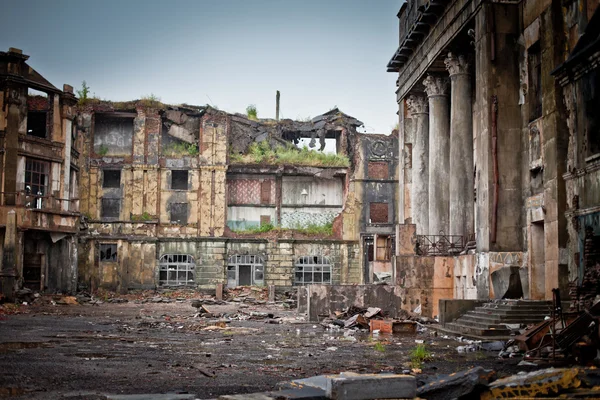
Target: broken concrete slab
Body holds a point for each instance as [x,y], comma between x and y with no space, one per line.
[350,385]
[371,386]
[457,385]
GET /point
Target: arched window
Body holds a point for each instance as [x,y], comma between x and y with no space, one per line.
[176,270]
[245,270]
[312,269]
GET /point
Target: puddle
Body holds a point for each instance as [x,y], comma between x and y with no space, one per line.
[8,346]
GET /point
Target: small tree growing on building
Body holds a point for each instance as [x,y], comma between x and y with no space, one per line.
[83,93]
[251,112]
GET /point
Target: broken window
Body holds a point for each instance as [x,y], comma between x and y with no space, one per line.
[312,269]
[176,270]
[108,252]
[378,170]
[111,178]
[384,248]
[111,208]
[179,180]
[36,182]
[37,113]
[378,213]
[113,134]
[36,124]
[245,270]
[179,213]
[534,91]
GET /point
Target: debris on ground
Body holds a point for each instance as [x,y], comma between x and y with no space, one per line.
[464,384]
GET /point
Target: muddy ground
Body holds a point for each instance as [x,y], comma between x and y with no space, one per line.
[75,351]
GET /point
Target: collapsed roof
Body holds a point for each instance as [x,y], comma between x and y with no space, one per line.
[245,131]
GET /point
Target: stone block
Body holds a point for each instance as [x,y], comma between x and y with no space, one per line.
[371,386]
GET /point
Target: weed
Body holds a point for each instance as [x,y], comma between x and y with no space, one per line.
[181,148]
[316,229]
[150,101]
[419,355]
[263,228]
[103,150]
[142,217]
[83,93]
[379,347]
[263,153]
[252,112]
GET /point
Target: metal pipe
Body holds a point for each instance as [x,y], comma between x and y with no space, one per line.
[495,161]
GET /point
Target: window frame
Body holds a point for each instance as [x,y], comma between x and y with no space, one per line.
[43,174]
[177,264]
[313,266]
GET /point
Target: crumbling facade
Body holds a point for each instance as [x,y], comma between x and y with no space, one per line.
[39,171]
[484,140]
[172,196]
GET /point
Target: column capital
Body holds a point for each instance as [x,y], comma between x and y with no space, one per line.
[456,64]
[436,85]
[417,104]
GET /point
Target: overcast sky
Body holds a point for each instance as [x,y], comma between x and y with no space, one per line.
[228,53]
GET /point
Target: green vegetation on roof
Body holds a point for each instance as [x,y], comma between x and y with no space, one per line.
[263,153]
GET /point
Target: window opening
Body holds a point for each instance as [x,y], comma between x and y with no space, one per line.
[176,270]
[179,180]
[112,178]
[179,213]
[108,252]
[312,269]
[111,208]
[36,124]
[245,270]
[36,182]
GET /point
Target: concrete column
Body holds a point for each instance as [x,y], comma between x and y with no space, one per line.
[436,88]
[461,147]
[418,107]
[9,265]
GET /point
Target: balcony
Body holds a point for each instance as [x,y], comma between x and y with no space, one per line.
[46,212]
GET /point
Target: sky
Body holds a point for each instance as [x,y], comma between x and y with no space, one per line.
[227,53]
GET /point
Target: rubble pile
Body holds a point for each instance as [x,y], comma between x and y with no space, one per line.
[376,320]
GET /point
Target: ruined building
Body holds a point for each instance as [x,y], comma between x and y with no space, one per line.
[40,153]
[139,194]
[499,148]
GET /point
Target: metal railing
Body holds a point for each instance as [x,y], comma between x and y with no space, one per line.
[442,245]
[38,202]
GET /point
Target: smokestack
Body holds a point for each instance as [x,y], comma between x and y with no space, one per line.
[277,106]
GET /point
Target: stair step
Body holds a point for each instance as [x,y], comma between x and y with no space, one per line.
[478,331]
[496,320]
[495,311]
[513,308]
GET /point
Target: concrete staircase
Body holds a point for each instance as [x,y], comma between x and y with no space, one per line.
[490,320]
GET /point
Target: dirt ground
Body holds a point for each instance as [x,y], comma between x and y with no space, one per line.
[75,351]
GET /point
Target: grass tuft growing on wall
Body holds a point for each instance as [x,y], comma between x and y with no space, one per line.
[263,153]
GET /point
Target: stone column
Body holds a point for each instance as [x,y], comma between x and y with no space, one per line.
[436,88]
[461,147]
[417,105]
